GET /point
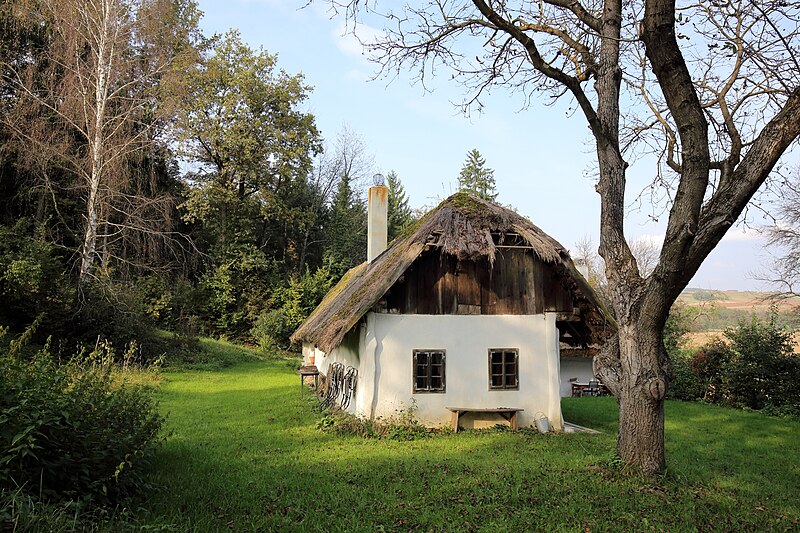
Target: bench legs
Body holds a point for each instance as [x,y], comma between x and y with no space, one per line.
[510,417]
[455,418]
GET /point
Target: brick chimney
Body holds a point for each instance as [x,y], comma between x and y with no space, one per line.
[377,225]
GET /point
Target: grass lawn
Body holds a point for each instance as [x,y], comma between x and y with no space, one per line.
[244,454]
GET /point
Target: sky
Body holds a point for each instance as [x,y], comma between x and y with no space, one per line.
[542,156]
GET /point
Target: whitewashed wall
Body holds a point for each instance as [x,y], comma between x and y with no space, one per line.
[579,368]
[346,353]
[386,365]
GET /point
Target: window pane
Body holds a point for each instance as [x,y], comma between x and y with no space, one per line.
[497,381]
[429,370]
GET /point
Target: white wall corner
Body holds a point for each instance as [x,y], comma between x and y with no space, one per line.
[554,367]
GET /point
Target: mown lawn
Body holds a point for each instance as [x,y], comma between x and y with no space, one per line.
[244,454]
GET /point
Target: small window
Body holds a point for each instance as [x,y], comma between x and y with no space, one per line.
[504,369]
[428,370]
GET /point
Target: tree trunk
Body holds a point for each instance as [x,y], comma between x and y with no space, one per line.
[640,443]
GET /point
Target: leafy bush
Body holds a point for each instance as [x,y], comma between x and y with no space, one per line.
[755,368]
[291,306]
[711,366]
[32,280]
[237,291]
[71,431]
[765,371]
[685,384]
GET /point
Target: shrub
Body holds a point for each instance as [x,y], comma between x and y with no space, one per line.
[756,368]
[33,282]
[291,306]
[711,365]
[70,431]
[685,385]
[403,426]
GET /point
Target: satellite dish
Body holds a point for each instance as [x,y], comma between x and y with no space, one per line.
[378,180]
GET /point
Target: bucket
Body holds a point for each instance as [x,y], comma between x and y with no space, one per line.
[542,423]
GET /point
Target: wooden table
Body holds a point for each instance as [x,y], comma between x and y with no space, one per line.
[308,371]
[508,413]
[579,388]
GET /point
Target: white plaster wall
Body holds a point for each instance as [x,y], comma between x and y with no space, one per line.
[346,353]
[575,367]
[386,370]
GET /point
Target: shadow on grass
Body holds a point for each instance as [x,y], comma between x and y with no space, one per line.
[245,454]
[726,454]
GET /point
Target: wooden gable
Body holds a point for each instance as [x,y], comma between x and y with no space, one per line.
[517,284]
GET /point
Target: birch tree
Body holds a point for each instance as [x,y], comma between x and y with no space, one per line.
[95,97]
[710,90]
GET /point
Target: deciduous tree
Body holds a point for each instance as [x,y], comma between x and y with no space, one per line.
[784,237]
[252,148]
[89,98]
[709,88]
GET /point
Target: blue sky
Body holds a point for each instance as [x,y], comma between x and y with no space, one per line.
[542,156]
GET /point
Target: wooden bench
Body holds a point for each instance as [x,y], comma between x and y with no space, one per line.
[508,413]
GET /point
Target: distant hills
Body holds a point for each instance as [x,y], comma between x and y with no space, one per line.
[748,301]
[714,311]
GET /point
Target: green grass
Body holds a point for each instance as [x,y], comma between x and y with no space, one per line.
[244,454]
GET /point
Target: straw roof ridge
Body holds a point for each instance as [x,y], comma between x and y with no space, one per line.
[462,226]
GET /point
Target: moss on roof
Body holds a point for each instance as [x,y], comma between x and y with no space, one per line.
[461,226]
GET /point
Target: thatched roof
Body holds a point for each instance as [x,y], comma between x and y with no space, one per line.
[461,226]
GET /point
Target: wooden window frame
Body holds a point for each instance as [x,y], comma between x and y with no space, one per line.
[505,385]
[427,377]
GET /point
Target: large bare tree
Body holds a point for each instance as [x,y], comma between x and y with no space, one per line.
[710,88]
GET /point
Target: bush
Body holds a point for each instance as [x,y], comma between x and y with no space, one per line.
[756,368]
[291,305]
[33,282]
[711,365]
[403,427]
[71,431]
[685,385]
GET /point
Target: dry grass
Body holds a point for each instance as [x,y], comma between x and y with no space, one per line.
[696,339]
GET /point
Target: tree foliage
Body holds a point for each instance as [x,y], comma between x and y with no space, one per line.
[399,212]
[239,125]
[88,98]
[476,177]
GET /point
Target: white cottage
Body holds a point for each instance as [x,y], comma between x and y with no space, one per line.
[474,307]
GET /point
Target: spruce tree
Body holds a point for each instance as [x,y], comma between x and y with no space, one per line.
[476,177]
[400,214]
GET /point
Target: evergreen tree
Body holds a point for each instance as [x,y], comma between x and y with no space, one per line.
[400,214]
[347,229]
[476,177]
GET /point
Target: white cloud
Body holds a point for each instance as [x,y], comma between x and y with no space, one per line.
[742,234]
[351,41]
